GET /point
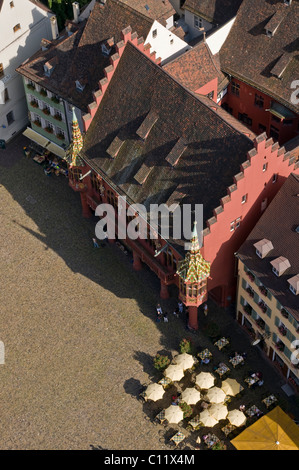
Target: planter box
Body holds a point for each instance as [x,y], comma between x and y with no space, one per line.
[43,92]
[49,129]
[34,104]
[37,123]
[46,111]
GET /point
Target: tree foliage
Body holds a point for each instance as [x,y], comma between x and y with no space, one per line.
[63,9]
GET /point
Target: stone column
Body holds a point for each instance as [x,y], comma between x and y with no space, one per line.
[86,212]
[193,317]
[137,265]
[164,294]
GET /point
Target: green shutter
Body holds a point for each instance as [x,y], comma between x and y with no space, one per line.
[242,301]
[256,298]
[274,337]
[269,295]
[244,283]
[287,352]
[254,314]
[277,321]
[278,305]
[269,311]
[257,282]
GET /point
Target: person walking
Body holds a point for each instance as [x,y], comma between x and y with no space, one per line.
[205,310]
[165,316]
[181,307]
[95,243]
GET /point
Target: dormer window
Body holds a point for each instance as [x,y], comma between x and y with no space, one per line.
[280,265]
[269,33]
[105,49]
[79,87]
[263,247]
[294,284]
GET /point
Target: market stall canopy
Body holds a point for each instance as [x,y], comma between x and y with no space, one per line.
[191,396]
[174,372]
[236,417]
[231,387]
[154,392]
[207,420]
[274,431]
[36,137]
[215,395]
[205,380]
[218,411]
[185,360]
[174,414]
[54,148]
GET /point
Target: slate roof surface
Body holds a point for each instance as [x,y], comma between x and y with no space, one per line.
[250,55]
[80,56]
[214,148]
[154,9]
[277,225]
[195,67]
[214,11]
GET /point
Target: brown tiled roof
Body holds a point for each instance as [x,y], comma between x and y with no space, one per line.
[214,149]
[195,67]
[250,55]
[153,9]
[214,11]
[80,55]
[277,224]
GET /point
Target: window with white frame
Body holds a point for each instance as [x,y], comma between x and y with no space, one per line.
[244,198]
[235,224]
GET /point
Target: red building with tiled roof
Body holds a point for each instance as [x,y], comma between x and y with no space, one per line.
[152,141]
[260,56]
[199,71]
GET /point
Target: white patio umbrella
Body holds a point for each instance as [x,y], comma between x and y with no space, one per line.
[206,419]
[231,387]
[205,380]
[218,411]
[185,360]
[236,417]
[154,392]
[191,396]
[174,372]
[215,395]
[174,414]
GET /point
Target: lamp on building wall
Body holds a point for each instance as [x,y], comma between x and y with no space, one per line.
[263,336]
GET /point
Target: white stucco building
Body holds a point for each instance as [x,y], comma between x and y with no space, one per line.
[165,43]
[23,24]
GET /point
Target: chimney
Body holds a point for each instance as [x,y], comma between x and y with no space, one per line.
[76,11]
[54,27]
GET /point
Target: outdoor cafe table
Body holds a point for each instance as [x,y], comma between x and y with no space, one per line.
[178,437]
[205,354]
[252,380]
[221,343]
[161,416]
[165,381]
[222,369]
[269,400]
[210,440]
[252,411]
[195,422]
[228,429]
[236,360]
